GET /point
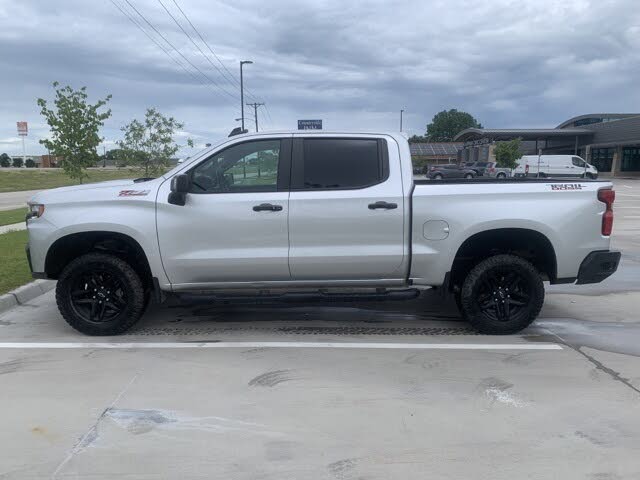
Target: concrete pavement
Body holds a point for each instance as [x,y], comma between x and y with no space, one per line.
[12,200]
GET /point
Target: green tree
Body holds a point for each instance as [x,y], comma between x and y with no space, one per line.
[74,125]
[17,162]
[418,139]
[507,153]
[5,160]
[448,123]
[150,144]
[29,163]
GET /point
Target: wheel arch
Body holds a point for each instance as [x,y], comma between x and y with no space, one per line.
[73,245]
[529,244]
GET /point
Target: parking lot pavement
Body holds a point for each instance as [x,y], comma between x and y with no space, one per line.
[340,391]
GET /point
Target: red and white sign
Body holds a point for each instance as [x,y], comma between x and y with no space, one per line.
[23,129]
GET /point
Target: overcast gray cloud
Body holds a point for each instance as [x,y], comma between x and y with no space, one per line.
[353,64]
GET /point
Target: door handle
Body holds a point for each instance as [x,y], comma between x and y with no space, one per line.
[384,205]
[267,207]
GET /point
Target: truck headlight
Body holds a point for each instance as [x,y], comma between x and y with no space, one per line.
[35,210]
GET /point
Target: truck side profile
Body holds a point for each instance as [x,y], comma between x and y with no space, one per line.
[332,214]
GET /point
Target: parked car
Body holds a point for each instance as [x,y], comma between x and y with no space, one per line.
[489,169]
[438,172]
[331,215]
[555,166]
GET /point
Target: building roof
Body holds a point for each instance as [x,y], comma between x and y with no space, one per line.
[610,116]
[436,148]
[523,133]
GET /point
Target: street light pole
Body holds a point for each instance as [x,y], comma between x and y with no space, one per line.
[401,111]
[242,62]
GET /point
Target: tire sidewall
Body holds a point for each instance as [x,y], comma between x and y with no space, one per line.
[135,298]
[471,285]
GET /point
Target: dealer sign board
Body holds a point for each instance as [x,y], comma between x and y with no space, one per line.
[309,124]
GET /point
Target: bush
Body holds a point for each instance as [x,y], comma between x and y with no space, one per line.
[30,163]
[507,153]
[5,162]
[17,162]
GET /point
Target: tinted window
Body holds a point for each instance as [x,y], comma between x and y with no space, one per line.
[577,162]
[246,167]
[338,163]
[450,167]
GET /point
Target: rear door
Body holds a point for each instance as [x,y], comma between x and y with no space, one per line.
[346,209]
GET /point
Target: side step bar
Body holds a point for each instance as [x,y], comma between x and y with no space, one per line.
[297,297]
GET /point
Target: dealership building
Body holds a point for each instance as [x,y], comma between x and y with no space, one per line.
[609,141]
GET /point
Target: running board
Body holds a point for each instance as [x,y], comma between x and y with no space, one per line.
[298,297]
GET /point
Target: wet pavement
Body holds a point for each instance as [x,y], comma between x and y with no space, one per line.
[339,391]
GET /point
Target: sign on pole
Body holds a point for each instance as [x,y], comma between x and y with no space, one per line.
[309,124]
[23,129]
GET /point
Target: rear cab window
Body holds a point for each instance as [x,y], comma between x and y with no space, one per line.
[338,163]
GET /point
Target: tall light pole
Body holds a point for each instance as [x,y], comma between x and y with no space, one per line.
[401,112]
[242,62]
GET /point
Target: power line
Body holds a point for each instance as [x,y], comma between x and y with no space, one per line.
[178,51]
[231,75]
[192,41]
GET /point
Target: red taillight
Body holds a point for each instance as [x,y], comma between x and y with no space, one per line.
[526,169]
[607,196]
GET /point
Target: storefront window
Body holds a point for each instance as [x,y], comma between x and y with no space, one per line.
[630,159]
[601,158]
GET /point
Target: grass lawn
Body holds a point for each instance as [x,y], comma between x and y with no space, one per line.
[9,217]
[40,179]
[14,268]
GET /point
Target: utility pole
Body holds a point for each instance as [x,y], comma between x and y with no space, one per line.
[255,111]
[242,62]
[401,111]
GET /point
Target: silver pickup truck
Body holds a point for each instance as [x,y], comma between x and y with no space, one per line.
[336,215]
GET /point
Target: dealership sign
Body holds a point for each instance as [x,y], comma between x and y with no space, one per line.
[309,124]
[22,129]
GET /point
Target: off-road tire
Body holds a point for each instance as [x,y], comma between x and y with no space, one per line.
[134,301]
[476,282]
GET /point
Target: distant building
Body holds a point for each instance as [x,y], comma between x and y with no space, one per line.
[434,153]
[41,161]
[609,141]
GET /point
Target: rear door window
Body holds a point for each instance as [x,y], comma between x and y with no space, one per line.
[338,163]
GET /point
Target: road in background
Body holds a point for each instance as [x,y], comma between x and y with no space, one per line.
[413,389]
[12,200]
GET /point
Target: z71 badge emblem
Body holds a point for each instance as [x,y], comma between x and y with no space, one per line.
[133,193]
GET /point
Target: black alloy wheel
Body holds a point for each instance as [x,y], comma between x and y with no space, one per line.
[502,294]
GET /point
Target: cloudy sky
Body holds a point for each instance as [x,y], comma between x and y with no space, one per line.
[354,64]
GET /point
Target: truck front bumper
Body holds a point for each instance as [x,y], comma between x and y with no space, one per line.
[597,266]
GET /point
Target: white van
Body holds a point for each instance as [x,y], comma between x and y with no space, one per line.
[554,166]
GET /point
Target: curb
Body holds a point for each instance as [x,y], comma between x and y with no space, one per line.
[25,293]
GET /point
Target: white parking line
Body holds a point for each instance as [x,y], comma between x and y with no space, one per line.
[388,346]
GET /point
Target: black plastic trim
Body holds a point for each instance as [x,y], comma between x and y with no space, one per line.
[597,266]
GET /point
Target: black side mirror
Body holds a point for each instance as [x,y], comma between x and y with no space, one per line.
[179,189]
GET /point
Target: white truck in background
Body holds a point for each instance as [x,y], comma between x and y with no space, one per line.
[556,166]
[329,215]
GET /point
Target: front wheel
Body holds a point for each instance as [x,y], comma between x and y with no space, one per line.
[468,176]
[100,294]
[502,295]
[502,175]
[437,176]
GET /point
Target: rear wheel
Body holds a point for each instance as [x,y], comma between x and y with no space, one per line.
[502,295]
[100,294]
[437,176]
[501,175]
[468,176]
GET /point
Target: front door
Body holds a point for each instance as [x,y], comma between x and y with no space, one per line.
[346,209]
[233,227]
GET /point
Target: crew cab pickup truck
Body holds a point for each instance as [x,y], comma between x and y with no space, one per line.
[337,215]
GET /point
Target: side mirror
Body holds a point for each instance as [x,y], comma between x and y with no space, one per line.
[179,189]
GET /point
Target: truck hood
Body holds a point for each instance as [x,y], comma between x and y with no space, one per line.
[54,194]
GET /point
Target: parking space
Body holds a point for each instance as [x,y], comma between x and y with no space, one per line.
[336,391]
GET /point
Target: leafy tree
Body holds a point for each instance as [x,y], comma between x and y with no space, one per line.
[149,144]
[17,162]
[5,160]
[507,153]
[418,139]
[448,123]
[74,125]
[29,163]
